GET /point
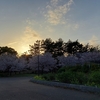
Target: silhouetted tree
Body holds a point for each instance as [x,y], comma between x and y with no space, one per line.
[58,48]
[37,48]
[90,48]
[73,47]
[49,45]
[55,48]
[8,50]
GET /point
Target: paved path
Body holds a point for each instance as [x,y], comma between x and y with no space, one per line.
[22,89]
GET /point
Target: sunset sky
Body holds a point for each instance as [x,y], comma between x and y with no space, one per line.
[22,22]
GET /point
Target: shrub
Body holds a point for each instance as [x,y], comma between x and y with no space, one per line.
[62,69]
[85,68]
[38,77]
[81,77]
[94,78]
[72,77]
[49,76]
[66,77]
[70,68]
[95,67]
[76,68]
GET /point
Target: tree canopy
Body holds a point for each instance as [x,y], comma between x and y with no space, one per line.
[48,55]
[8,50]
[59,47]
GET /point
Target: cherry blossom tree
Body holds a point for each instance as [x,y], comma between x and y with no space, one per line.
[46,62]
[79,59]
[11,63]
[67,61]
[88,57]
[21,64]
[7,62]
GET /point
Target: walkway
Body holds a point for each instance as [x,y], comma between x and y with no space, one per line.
[22,89]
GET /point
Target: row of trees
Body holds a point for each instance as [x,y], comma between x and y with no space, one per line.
[59,47]
[56,48]
[47,55]
[46,63]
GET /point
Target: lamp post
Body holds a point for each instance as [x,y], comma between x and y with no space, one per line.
[37,52]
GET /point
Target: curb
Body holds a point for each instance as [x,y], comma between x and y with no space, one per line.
[68,86]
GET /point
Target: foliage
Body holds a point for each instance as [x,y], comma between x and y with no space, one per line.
[37,48]
[8,50]
[49,76]
[81,77]
[49,44]
[76,68]
[94,78]
[62,69]
[73,47]
[48,56]
[38,77]
[59,47]
[86,68]
[75,75]
[45,62]
[72,77]
[95,67]
[11,63]
[66,77]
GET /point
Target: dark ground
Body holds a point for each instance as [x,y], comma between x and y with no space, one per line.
[21,89]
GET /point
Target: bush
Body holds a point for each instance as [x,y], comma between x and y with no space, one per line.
[70,68]
[38,77]
[85,68]
[76,68]
[95,67]
[62,69]
[81,77]
[94,78]
[49,76]
[72,77]
[66,77]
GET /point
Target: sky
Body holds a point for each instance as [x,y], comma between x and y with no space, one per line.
[22,22]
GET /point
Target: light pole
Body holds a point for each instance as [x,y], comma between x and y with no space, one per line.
[37,46]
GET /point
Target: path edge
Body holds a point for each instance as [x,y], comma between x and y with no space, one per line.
[68,86]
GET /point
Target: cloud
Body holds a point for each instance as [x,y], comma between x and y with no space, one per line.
[30,32]
[54,2]
[12,43]
[56,11]
[93,40]
[70,3]
[49,29]
[30,35]
[74,26]
[29,22]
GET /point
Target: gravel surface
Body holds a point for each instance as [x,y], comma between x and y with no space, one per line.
[22,89]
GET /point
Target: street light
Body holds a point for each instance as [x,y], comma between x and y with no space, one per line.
[37,52]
